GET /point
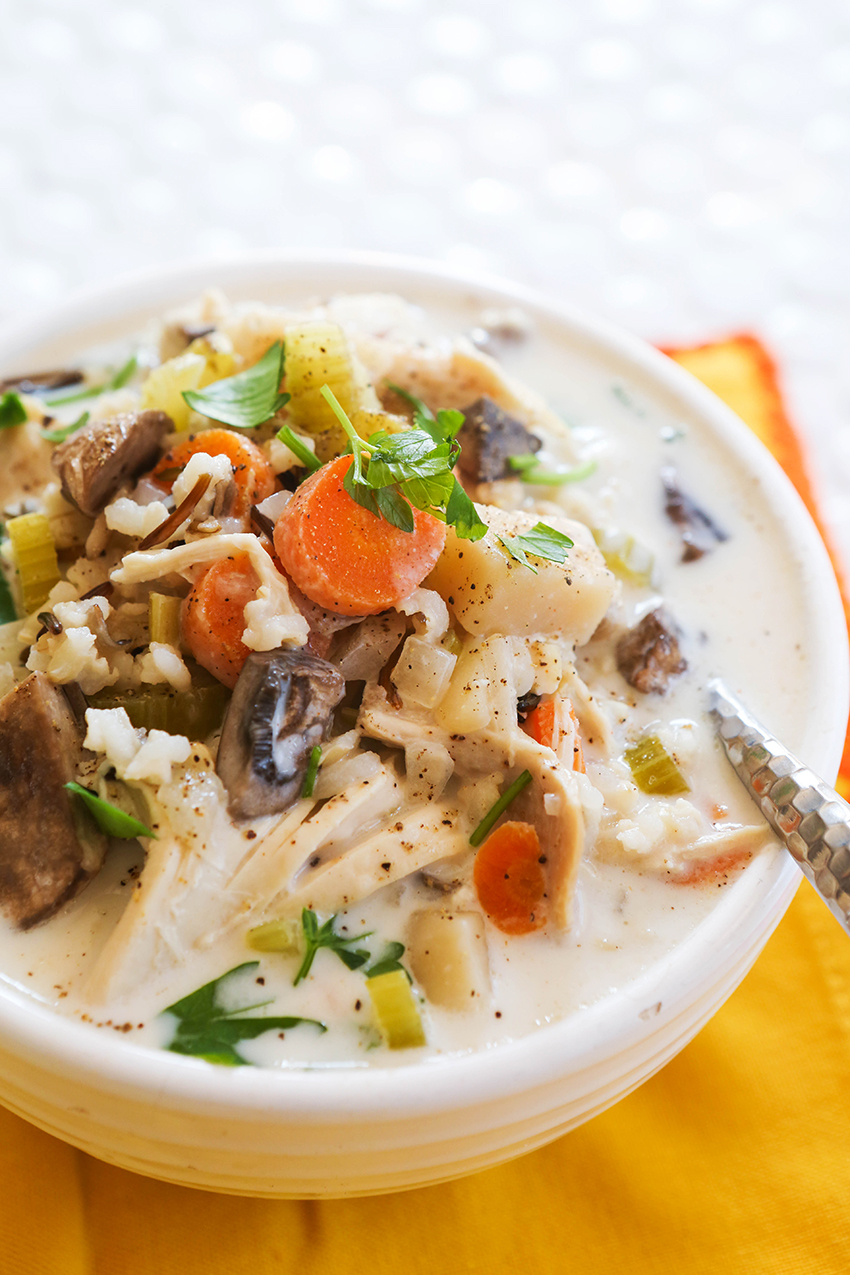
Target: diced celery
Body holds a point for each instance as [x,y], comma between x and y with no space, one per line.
[277,936]
[317,354]
[396,1010]
[625,556]
[163,389]
[367,423]
[34,550]
[164,618]
[194,713]
[653,769]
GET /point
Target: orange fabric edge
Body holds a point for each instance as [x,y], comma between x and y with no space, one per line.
[741,372]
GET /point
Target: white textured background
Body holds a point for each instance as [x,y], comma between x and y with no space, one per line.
[679,166]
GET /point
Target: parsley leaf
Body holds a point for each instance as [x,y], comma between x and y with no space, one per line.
[12,410]
[208,1028]
[111,820]
[542,541]
[247,399]
[393,474]
[389,960]
[65,431]
[116,382]
[317,936]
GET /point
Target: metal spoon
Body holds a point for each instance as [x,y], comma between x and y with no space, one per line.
[805,813]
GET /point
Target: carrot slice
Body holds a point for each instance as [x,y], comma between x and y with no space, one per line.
[212,616]
[509,878]
[699,870]
[252,473]
[343,557]
[544,725]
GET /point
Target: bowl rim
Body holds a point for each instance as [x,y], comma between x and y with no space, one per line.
[583,1041]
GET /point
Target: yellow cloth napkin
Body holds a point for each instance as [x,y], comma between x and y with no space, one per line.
[732,1160]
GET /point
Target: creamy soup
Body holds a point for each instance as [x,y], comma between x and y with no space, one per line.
[389,699]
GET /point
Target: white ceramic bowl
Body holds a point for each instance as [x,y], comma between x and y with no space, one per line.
[359,1131]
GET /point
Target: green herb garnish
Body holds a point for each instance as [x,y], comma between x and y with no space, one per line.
[389,960]
[207,1028]
[247,399]
[111,820]
[299,448]
[499,808]
[65,431]
[542,541]
[312,771]
[317,936]
[8,610]
[393,474]
[116,382]
[532,471]
[12,410]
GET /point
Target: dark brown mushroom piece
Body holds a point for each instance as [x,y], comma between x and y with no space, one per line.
[488,437]
[281,709]
[700,533]
[94,462]
[50,847]
[648,656]
[38,382]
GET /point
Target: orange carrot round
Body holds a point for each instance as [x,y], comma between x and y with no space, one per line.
[544,725]
[509,879]
[212,616]
[252,473]
[343,557]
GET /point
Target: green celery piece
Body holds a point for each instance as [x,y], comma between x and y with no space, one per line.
[249,398]
[12,410]
[207,1029]
[653,769]
[116,382]
[111,820]
[522,781]
[194,713]
[275,936]
[62,432]
[531,471]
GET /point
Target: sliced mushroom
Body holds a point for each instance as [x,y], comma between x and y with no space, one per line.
[94,462]
[49,845]
[648,656]
[37,382]
[280,710]
[488,436]
[699,531]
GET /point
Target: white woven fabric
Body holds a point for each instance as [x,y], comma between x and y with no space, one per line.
[679,166]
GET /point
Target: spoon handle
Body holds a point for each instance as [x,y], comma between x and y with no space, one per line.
[807,815]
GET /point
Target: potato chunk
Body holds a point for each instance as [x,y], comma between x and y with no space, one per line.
[491,592]
[448,956]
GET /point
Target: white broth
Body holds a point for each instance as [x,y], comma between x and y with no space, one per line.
[651,867]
